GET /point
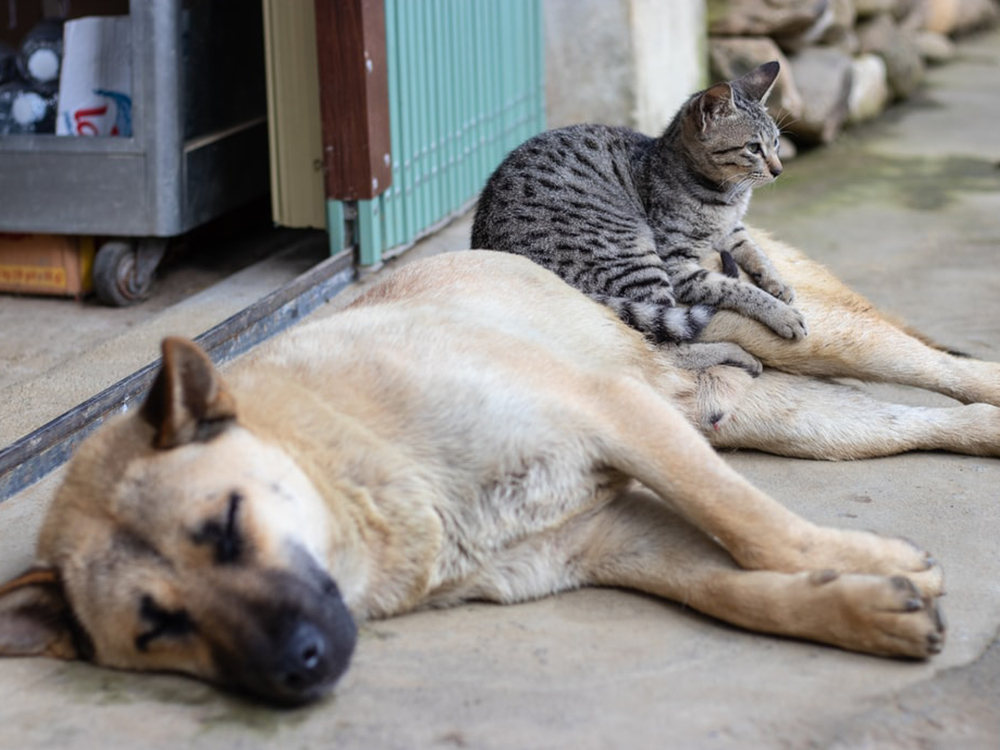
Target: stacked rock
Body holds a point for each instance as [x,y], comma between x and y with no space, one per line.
[843,61]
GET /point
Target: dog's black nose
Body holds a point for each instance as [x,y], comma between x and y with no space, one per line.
[303,659]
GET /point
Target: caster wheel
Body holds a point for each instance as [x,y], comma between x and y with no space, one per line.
[117,281]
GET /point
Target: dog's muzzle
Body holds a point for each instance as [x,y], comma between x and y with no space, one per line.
[290,646]
[311,658]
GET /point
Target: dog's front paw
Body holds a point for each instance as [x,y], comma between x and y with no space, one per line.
[849,551]
[889,616]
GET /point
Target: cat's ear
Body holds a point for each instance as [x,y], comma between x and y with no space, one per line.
[714,104]
[757,84]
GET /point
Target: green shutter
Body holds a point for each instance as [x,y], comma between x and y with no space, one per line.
[466,85]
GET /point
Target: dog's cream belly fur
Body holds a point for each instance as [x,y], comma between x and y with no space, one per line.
[502,486]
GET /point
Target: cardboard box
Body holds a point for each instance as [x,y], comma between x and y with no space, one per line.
[46,264]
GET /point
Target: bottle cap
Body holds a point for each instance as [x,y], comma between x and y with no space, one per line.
[43,65]
[28,108]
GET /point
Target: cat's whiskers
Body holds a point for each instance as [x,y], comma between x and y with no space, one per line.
[785,121]
[740,183]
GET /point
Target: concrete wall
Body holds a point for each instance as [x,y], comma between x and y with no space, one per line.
[622,62]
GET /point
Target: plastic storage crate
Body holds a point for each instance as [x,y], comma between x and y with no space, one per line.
[198,149]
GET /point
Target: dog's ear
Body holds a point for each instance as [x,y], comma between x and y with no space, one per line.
[188,401]
[36,619]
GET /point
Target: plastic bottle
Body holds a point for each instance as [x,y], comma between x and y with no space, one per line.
[41,54]
[26,110]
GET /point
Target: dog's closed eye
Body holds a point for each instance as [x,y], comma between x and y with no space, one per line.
[163,623]
[223,535]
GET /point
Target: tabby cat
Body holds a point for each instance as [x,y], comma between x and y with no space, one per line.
[633,221]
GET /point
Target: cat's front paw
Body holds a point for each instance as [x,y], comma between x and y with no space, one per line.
[702,356]
[776,288]
[787,322]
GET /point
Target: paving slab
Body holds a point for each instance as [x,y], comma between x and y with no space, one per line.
[908,212]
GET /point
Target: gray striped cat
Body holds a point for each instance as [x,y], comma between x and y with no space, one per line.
[631,220]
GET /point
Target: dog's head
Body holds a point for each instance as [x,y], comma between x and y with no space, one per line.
[180,541]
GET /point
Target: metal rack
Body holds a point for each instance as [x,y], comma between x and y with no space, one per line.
[198,148]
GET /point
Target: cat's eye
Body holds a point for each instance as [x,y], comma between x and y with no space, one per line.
[755,148]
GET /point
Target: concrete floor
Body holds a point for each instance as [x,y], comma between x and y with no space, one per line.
[56,352]
[908,212]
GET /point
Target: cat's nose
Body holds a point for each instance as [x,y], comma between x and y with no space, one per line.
[775,169]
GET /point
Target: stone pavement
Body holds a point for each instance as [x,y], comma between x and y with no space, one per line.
[908,212]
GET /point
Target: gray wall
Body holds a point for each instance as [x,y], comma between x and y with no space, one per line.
[622,62]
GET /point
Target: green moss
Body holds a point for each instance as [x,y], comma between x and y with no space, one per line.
[861,177]
[210,708]
[88,684]
[261,719]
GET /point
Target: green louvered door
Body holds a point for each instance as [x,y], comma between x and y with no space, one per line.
[466,85]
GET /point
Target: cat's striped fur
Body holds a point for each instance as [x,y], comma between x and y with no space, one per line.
[630,220]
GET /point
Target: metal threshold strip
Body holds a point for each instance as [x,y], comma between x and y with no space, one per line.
[30,458]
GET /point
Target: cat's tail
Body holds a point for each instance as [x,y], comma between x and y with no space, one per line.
[661,323]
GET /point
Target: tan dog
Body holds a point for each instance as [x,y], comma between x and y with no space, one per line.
[470,429]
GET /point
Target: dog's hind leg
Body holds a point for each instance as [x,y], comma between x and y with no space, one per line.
[791,415]
[849,337]
[638,544]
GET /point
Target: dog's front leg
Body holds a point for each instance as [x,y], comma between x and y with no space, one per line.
[646,438]
[636,543]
